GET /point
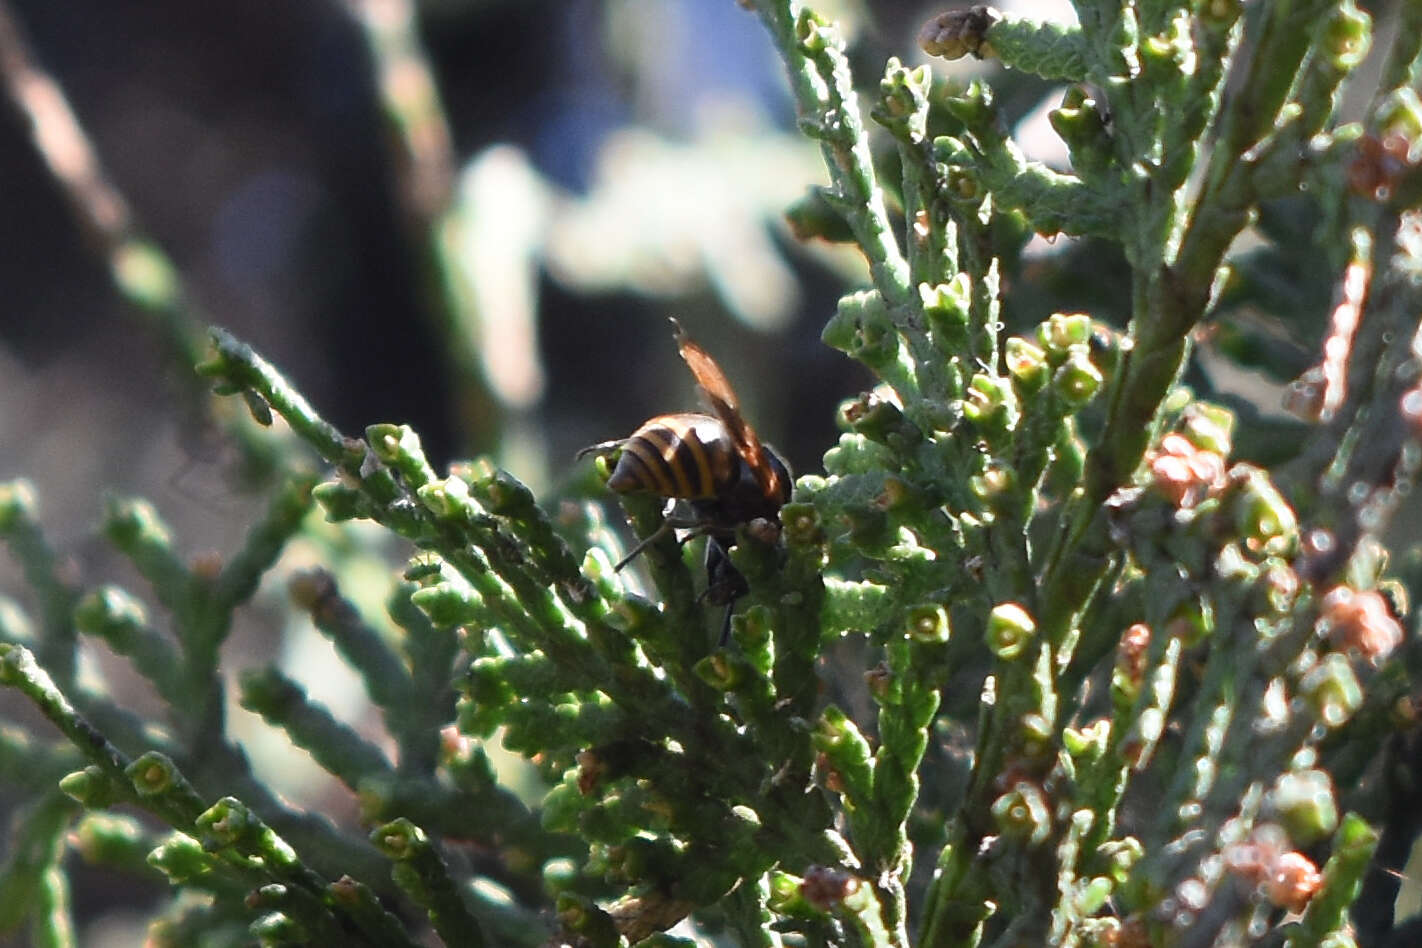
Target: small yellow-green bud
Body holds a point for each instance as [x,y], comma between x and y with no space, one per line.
[1022,813]
[277,928]
[152,774]
[1010,628]
[1060,331]
[398,839]
[559,876]
[1332,690]
[226,821]
[1208,427]
[963,184]
[973,107]
[501,492]
[879,420]
[994,482]
[109,607]
[182,859]
[1087,743]
[1093,895]
[1036,730]
[928,623]
[991,403]
[787,896]
[145,275]
[1027,365]
[445,498]
[384,440]
[900,91]
[127,521]
[17,500]
[1264,519]
[633,614]
[487,683]
[946,305]
[1304,802]
[720,671]
[811,32]
[1400,114]
[340,501]
[107,837]
[1077,381]
[833,729]
[1347,36]
[448,604]
[91,787]
[1078,122]
[1121,856]
[951,152]
[802,525]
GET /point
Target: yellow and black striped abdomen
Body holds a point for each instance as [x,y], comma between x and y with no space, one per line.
[687,456]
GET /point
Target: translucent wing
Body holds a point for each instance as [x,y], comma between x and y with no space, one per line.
[723,401]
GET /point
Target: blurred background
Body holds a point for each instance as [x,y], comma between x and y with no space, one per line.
[470,216]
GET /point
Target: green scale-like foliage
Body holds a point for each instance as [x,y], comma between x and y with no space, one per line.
[1121,687]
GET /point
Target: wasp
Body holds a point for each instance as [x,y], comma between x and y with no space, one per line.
[715,463]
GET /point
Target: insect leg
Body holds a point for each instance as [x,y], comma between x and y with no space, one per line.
[602,447]
[668,524]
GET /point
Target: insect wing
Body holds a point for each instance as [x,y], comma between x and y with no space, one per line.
[723,401]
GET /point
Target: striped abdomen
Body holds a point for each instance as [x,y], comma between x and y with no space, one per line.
[686,455]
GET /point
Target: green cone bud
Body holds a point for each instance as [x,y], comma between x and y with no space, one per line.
[153,773]
[182,859]
[91,787]
[341,502]
[449,604]
[1060,331]
[1332,690]
[17,502]
[1208,427]
[721,671]
[1077,381]
[1121,856]
[991,403]
[802,525]
[227,821]
[1264,519]
[945,310]
[928,623]
[1401,114]
[1347,37]
[398,839]
[1010,628]
[1027,365]
[1022,813]
[1305,805]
